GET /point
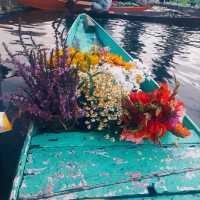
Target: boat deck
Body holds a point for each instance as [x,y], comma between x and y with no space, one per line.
[91,165]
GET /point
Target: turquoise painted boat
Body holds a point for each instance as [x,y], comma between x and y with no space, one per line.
[77,165]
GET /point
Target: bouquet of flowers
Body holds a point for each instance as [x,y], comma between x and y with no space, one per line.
[95,90]
[105,78]
[74,88]
[151,115]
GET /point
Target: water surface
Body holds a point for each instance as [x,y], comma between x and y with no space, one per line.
[168,50]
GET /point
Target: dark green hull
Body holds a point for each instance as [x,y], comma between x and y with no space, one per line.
[78,165]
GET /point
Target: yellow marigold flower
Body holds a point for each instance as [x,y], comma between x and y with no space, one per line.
[138,78]
[94,59]
[60,53]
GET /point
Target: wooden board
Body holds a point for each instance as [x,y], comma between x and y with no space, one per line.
[87,165]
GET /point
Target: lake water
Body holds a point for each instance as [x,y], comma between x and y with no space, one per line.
[168,50]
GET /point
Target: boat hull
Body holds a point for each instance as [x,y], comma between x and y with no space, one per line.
[58,5]
[43,4]
[129,9]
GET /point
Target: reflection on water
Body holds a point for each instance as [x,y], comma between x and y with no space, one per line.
[168,50]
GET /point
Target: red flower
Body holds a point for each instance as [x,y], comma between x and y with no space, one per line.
[139,97]
[153,114]
[162,94]
[156,130]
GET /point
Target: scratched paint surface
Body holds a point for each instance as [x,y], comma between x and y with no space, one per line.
[79,165]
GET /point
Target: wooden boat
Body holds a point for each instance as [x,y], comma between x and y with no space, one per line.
[44,5]
[128,8]
[85,165]
[58,5]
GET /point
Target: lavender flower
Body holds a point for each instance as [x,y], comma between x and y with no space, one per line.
[49,94]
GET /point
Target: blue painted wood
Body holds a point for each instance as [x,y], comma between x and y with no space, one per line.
[79,165]
[87,165]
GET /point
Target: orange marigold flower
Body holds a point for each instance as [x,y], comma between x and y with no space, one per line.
[71,50]
[181,131]
[128,66]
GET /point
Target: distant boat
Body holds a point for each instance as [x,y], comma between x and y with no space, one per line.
[86,165]
[58,5]
[43,4]
[121,7]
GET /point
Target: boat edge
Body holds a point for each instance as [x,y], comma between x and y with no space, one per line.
[22,162]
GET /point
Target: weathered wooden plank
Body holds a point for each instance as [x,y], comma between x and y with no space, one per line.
[20,171]
[97,167]
[195,196]
[98,139]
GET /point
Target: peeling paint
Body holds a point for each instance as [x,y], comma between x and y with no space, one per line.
[23,186]
[30,159]
[183,188]
[34,171]
[70,165]
[133,174]
[50,185]
[98,153]
[75,175]
[71,152]
[161,184]
[111,193]
[119,161]
[60,175]
[140,184]
[190,175]
[46,162]
[191,153]
[104,174]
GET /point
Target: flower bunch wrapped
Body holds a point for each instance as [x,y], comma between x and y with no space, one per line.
[151,115]
[105,78]
[129,74]
[94,90]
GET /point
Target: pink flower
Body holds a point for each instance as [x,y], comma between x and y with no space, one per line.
[130,136]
